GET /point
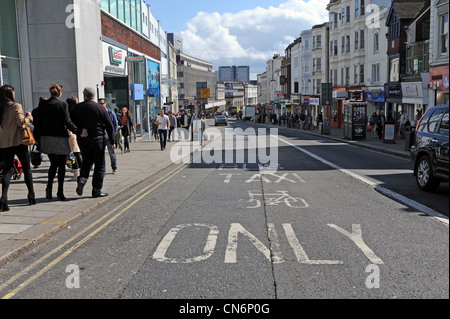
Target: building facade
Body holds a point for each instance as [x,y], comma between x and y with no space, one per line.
[196,83]
[29,59]
[439,55]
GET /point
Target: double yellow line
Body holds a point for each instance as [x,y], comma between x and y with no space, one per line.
[129,203]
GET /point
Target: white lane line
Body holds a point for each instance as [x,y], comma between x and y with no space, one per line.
[400,198]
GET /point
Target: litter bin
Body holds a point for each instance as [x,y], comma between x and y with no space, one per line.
[320,128]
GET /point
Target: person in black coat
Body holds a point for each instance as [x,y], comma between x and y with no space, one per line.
[50,128]
[93,121]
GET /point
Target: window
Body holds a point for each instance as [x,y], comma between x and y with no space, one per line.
[335,20]
[348,14]
[347,76]
[335,47]
[444,128]
[317,42]
[356,8]
[434,120]
[363,7]
[361,39]
[343,19]
[356,40]
[443,32]
[376,42]
[347,43]
[356,73]
[295,87]
[319,84]
[375,73]
[306,45]
[361,73]
[394,67]
[319,64]
[343,45]
[335,77]
[331,48]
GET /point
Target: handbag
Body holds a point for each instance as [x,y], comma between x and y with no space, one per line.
[27,137]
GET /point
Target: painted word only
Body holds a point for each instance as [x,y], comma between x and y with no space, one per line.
[273,254]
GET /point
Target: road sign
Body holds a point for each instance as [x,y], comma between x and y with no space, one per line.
[135,59]
[205,93]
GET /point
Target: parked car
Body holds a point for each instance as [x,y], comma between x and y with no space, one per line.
[221,120]
[429,154]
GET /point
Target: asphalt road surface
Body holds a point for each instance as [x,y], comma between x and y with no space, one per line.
[316,227]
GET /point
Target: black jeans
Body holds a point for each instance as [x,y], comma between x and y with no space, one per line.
[93,152]
[163,138]
[57,163]
[24,157]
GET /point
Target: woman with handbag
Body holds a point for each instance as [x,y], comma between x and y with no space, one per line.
[12,123]
[51,124]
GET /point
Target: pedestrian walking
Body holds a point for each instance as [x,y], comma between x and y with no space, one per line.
[111,151]
[380,124]
[373,124]
[163,126]
[12,118]
[402,124]
[173,126]
[201,128]
[93,121]
[127,128]
[74,148]
[185,124]
[51,125]
[119,129]
[155,130]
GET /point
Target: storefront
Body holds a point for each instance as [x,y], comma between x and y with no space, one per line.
[335,112]
[375,100]
[415,100]
[115,73]
[439,85]
[394,101]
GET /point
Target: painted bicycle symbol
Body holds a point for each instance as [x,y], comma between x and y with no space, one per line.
[274,199]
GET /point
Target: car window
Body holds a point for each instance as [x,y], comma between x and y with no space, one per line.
[444,127]
[434,120]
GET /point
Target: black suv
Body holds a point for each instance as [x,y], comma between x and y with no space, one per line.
[429,154]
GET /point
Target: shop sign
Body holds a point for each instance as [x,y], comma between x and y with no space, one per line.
[394,92]
[340,93]
[306,100]
[439,78]
[115,56]
[137,92]
[357,96]
[412,89]
[374,96]
[314,101]
[113,60]
[135,59]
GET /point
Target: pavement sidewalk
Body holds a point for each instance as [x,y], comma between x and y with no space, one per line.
[24,225]
[371,142]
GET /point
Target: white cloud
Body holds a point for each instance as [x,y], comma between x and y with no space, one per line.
[251,37]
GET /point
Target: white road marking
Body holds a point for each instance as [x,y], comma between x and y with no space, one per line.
[400,198]
[356,237]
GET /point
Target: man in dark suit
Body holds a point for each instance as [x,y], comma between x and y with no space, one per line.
[93,121]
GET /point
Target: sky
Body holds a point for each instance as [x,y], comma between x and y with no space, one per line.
[238,32]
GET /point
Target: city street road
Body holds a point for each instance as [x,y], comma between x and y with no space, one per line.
[226,231]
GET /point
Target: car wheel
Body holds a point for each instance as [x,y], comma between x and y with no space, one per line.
[424,176]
